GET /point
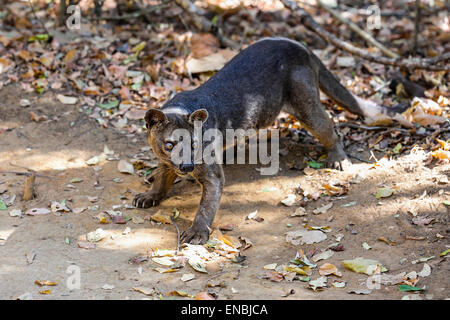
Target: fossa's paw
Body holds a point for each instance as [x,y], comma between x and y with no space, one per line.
[195,235]
[147,199]
[337,159]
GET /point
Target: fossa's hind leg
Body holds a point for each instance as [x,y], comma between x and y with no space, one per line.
[304,104]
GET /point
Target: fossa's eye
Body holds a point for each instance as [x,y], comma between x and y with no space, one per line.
[168,146]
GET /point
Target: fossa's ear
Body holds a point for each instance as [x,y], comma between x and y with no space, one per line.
[199,115]
[154,116]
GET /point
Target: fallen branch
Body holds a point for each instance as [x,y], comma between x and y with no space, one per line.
[416,25]
[411,63]
[370,128]
[204,25]
[353,26]
[134,15]
[36,17]
[18,173]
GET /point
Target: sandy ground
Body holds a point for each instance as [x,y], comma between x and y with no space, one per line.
[59,148]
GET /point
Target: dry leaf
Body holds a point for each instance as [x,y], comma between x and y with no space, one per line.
[45,291]
[274,276]
[45,283]
[66,100]
[160,217]
[37,211]
[213,62]
[323,209]
[204,296]
[328,268]
[204,44]
[144,290]
[125,167]
[86,245]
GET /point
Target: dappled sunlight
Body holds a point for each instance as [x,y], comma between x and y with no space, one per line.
[135,239]
[46,161]
[5,233]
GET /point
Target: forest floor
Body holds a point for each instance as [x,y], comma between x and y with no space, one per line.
[59,148]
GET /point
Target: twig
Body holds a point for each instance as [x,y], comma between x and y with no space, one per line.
[411,63]
[357,126]
[26,174]
[36,17]
[416,25]
[202,24]
[62,12]
[178,233]
[142,12]
[21,167]
[29,173]
[363,12]
[367,37]
[372,155]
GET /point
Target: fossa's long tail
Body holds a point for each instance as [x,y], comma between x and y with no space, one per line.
[372,113]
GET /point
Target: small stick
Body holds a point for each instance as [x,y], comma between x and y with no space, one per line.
[356,126]
[29,173]
[367,37]
[178,233]
[29,192]
[411,63]
[36,17]
[139,13]
[26,174]
[416,25]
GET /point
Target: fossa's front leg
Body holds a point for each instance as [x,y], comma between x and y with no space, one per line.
[161,179]
[211,178]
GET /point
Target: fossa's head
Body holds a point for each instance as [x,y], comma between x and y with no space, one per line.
[171,136]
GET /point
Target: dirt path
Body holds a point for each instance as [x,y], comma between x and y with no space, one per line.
[59,148]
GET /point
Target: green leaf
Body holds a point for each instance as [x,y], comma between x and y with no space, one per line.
[366,246]
[297,270]
[147,172]
[446,202]
[130,59]
[444,253]
[110,105]
[39,37]
[315,165]
[384,193]
[397,148]
[138,48]
[3,205]
[425,259]
[405,287]
[214,21]
[67,240]
[305,279]
[361,265]
[136,86]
